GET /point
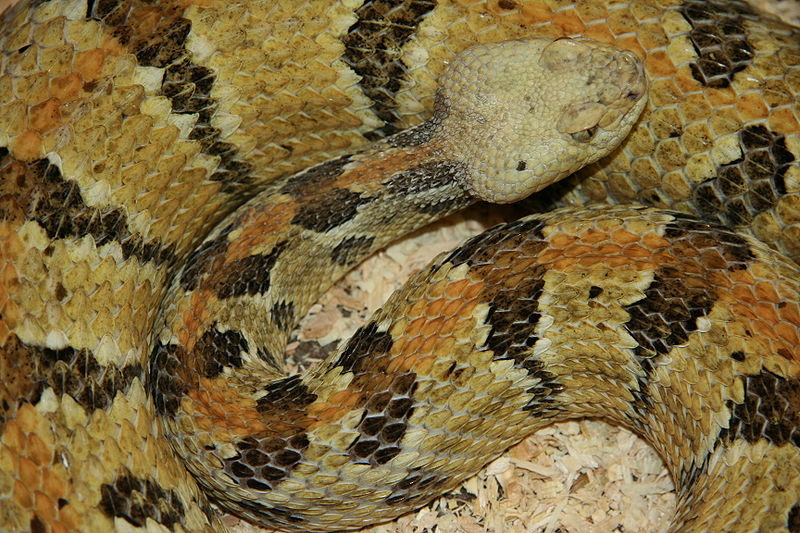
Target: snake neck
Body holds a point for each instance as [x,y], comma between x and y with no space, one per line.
[264,266]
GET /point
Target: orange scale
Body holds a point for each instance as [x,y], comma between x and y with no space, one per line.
[695,282]
[641,266]
[22,496]
[425,365]
[38,451]
[400,344]
[743,311]
[766,311]
[417,308]
[752,106]
[562,240]
[329,415]
[451,322]
[782,121]
[28,472]
[220,410]
[433,307]
[28,146]
[203,423]
[398,363]
[632,44]
[412,363]
[215,389]
[654,240]
[345,398]
[452,308]
[788,332]
[720,97]
[46,115]
[66,88]
[564,263]
[416,325]
[429,346]
[635,250]
[578,250]
[45,507]
[456,288]
[568,22]
[591,260]
[422,364]
[200,395]
[222,435]
[712,259]
[431,327]
[610,249]
[599,32]
[790,312]
[624,236]
[53,485]
[659,65]
[549,255]
[474,290]
[745,276]
[89,63]
[766,291]
[69,518]
[693,267]
[743,293]
[528,261]
[412,347]
[536,13]
[721,280]
[252,424]
[592,236]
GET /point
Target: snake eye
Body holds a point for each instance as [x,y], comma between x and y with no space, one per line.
[584,135]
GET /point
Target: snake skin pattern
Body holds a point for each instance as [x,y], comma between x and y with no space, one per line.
[130,129]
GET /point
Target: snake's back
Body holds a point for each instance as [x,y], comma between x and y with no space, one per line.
[129,130]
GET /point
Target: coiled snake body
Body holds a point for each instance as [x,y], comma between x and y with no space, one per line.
[154,261]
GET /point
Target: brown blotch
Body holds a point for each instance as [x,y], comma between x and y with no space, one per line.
[770,411]
[137,499]
[29,370]
[371,47]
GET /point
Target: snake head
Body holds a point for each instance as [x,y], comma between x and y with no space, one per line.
[523,114]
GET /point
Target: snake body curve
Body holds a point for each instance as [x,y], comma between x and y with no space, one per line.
[130,130]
